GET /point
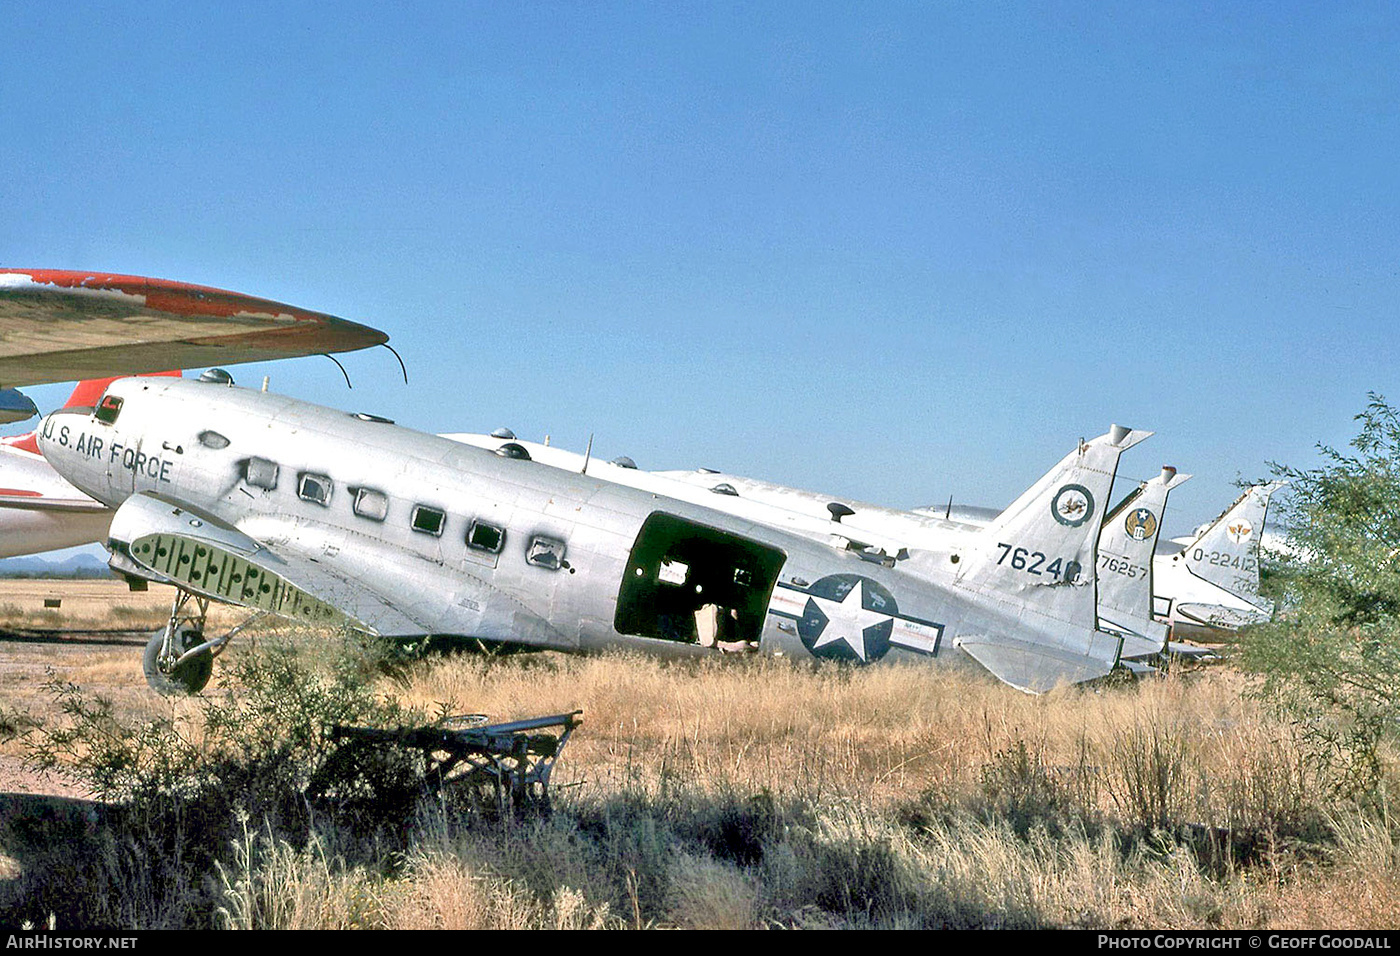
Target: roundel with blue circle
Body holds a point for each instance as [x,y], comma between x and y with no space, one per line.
[849,618]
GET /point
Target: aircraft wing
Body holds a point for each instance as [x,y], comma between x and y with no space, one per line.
[60,326]
[33,502]
[168,541]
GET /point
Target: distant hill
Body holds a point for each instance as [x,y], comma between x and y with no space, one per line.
[74,566]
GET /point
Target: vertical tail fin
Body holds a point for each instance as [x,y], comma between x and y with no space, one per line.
[1226,552]
[87,393]
[1041,550]
[1036,561]
[1129,537]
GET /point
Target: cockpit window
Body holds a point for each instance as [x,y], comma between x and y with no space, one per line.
[108,410]
[315,488]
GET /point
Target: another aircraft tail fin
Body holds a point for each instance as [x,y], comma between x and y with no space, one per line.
[1226,552]
[1036,562]
[1126,544]
[1040,550]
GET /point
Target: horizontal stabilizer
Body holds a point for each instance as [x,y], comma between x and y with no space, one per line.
[1037,668]
[200,553]
[1139,669]
[1141,638]
[1220,617]
[1190,651]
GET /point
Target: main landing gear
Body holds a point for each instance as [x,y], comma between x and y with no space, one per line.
[178,659]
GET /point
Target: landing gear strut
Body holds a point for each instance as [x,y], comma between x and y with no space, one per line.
[178,660]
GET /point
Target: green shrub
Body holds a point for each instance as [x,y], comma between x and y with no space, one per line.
[1331,656]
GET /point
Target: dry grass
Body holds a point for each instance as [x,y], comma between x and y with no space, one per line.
[752,793]
[917,796]
[91,603]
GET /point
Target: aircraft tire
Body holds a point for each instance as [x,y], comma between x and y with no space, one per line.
[190,677]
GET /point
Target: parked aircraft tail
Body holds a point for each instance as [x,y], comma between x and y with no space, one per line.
[1226,552]
[1126,545]
[1037,561]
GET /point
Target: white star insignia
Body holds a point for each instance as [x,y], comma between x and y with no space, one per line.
[847,620]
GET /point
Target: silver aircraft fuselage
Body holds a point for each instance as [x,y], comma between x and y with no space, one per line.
[450,539]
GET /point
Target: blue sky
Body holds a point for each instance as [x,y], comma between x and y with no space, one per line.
[891,251]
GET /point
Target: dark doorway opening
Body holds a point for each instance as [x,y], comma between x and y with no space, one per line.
[679,569]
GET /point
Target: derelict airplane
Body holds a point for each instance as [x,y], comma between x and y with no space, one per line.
[282,506]
[58,326]
[1126,542]
[1195,587]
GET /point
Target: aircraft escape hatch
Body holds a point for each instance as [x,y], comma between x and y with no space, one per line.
[678,567]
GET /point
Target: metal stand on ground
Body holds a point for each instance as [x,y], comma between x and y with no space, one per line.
[502,766]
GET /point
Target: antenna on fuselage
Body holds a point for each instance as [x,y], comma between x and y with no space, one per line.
[266,379]
[948,514]
[402,367]
[342,369]
[587,454]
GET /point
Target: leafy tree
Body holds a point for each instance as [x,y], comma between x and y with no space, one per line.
[1331,656]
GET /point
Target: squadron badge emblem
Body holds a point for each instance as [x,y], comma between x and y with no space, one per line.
[1239,531]
[1141,524]
[1073,505]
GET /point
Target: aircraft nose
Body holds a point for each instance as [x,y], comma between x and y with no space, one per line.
[59,437]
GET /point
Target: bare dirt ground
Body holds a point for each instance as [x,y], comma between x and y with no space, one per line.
[93,637]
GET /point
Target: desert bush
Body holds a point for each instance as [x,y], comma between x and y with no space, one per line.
[180,787]
[1331,657]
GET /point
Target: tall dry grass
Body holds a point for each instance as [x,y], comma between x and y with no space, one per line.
[753,793]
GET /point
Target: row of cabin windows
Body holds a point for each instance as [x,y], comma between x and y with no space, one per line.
[543,551]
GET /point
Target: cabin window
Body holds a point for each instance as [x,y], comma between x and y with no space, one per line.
[371,504]
[108,409]
[672,572]
[428,520]
[485,536]
[260,473]
[315,488]
[212,439]
[545,552]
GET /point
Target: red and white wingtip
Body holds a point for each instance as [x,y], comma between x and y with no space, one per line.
[65,325]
